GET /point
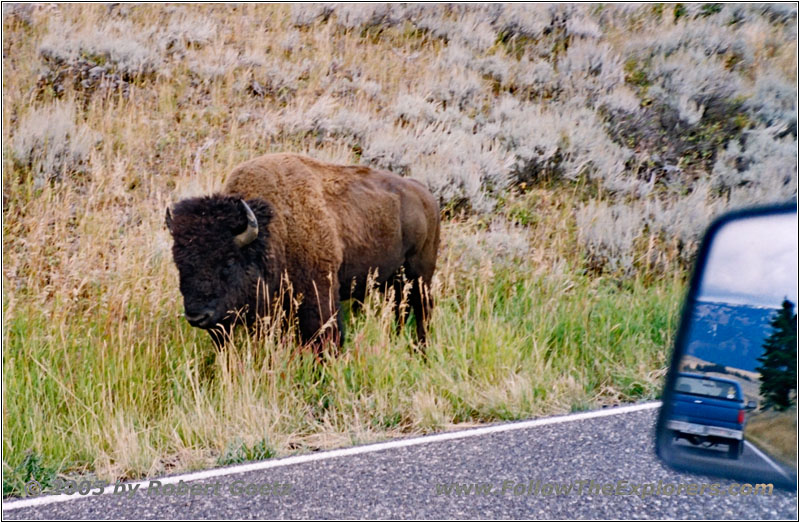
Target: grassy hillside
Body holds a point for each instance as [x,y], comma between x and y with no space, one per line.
[577,152]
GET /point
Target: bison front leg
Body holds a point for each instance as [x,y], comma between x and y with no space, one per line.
[318,328]
[218,337]
[319,319]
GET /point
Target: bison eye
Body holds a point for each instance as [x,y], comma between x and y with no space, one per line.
[227,269]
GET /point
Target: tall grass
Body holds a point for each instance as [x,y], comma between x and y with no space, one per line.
[570,216]
[111,379]
[150,395]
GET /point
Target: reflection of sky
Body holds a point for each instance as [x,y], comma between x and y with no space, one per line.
[753,262]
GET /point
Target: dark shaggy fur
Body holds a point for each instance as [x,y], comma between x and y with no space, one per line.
[324,226]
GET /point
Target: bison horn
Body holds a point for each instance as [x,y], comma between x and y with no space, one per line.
[249,234]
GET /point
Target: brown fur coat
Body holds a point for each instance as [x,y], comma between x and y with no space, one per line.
[332,224]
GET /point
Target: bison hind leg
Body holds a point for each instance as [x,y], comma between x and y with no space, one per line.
[411,292]
[397,284]
[422,303]
[420,272]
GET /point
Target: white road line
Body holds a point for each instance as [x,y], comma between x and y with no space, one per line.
[351,451]
[768,460]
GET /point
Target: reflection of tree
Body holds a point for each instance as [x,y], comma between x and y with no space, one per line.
[779,362]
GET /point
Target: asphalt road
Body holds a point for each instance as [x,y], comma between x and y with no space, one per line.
[410,482]
[750,461]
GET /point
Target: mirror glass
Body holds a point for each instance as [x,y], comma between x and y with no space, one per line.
[732,403]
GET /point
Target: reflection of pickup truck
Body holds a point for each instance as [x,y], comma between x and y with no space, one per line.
[710,410]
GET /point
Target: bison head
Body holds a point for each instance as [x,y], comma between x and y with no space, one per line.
[220,249]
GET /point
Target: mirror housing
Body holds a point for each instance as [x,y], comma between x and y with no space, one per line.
[715,388]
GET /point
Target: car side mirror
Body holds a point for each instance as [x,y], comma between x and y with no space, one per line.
[729,406]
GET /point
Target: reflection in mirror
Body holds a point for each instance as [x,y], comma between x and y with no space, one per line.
[734,400]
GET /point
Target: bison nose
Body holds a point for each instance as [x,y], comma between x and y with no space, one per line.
[199,318]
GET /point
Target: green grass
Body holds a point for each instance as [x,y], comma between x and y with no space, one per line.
[106,397]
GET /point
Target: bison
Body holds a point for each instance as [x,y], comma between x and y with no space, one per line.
[323,226]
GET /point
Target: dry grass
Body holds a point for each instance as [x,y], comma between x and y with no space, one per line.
[776,434]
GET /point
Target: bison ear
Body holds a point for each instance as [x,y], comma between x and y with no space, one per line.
[168,220]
